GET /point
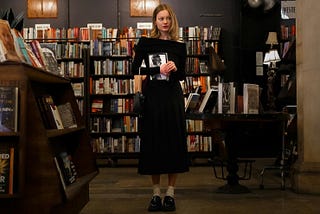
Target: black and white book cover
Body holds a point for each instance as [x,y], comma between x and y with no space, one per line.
[157,59]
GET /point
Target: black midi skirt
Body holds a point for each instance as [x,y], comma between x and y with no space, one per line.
[163,147]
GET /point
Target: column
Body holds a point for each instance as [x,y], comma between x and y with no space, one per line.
[306,171]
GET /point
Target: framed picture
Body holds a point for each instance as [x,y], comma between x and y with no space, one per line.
[143,7]
[42,8]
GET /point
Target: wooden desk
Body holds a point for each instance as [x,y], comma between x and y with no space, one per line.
[267,130]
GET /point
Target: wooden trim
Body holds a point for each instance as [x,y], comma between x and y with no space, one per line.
[42,8]
[143,8]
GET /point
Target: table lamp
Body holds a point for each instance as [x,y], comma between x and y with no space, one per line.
[270,59]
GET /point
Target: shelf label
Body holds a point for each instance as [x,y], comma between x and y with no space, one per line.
[144,25]
[42,26]
[95,26]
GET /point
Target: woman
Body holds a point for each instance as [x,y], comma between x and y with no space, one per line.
[163,142]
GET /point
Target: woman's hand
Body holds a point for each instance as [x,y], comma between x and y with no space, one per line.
[167,68]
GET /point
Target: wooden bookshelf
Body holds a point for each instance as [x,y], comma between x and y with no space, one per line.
[37,185]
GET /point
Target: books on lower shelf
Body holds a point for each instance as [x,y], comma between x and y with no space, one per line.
[8,109]
[6,170]
[66,168]
[251,98]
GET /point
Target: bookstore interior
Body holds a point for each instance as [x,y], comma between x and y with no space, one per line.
[68,92]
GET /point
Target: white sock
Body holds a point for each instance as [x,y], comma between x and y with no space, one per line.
[156,190]
[170,191]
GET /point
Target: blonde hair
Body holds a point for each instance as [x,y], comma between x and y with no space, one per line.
[174,28]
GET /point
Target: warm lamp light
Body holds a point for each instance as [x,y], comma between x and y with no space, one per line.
[272,39]
[271,58]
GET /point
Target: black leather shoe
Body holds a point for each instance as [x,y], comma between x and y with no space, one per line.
[155,204]
[168,204]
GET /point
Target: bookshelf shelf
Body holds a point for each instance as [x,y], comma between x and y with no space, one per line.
[73,189]
[60,132]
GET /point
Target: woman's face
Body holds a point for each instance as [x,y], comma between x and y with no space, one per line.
[163,21]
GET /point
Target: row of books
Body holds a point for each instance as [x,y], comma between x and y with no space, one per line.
[199,143]
[66,168]
[200,33]
[7,160]
[111,86]
[193,83]
[56,116]
[225,100]
[288,31]
[194,125]
[78,88]
[119,47]
[111,67]
[71,69]
[197,102]
[31,53]
[114,125]
[121,144]
[97,31]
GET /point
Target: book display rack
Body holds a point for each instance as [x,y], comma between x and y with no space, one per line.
[34,179]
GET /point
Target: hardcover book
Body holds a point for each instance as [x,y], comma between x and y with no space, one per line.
[226,98]
[192,102]
[251,101]
[8,109]
[67,168]
[49,112]
[7,47]
[67,115]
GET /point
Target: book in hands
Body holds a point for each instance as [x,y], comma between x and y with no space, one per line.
[157,59]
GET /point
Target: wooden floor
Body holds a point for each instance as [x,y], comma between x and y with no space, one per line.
[120,190]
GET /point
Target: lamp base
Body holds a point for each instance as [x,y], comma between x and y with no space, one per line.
[271,99]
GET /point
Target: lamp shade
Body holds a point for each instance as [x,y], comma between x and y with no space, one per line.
[271,56]
[272,38]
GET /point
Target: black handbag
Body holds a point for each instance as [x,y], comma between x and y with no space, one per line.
[138,103]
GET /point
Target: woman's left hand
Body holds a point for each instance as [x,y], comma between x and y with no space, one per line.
[171,66]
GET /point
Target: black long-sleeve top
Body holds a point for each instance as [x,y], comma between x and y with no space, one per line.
[176,52]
